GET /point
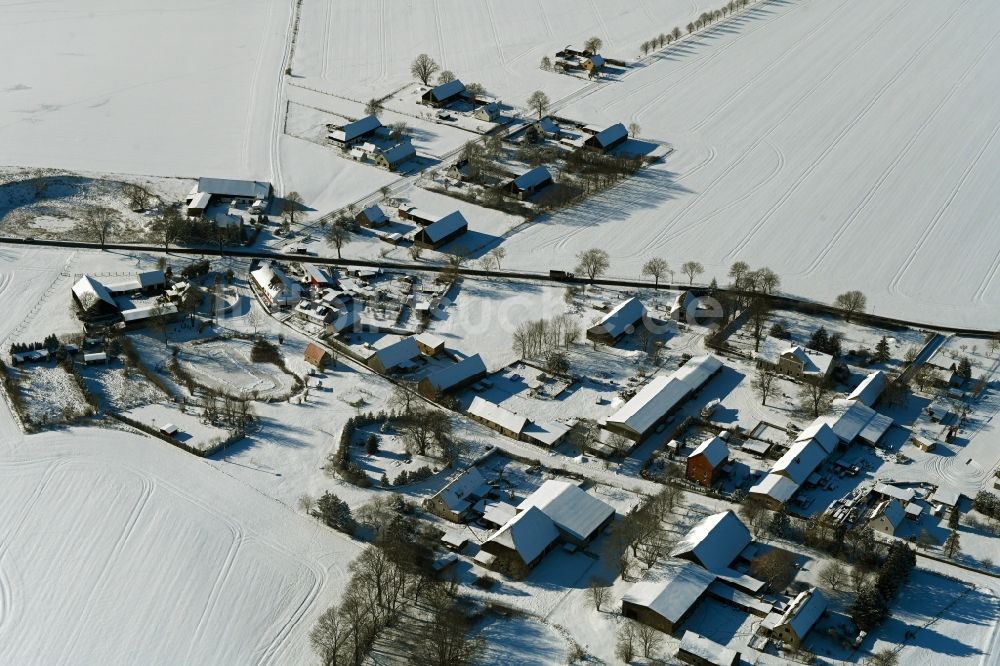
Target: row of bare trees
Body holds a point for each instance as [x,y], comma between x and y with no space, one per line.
[533,338]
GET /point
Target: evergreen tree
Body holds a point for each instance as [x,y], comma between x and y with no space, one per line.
[819,340]
[335,513]
[882,353]
[869,608]
[952,547]
[964,368]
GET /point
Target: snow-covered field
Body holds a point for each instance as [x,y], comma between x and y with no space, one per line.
[844,144]
[129,550]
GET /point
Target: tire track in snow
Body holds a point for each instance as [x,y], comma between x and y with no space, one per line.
[325,54]
[774,63]
[779,165]
[440,34]
[657,239]
[10,602]
[870,195]
[604,25]
[274,150]
[147,487]
[319,581]
[833,145]
[496,39]
[939,214]
[384,61]
[220,581]
[254,81]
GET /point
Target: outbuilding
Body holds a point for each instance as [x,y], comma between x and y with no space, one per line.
[529,183]
[705,463]
[444,94]
[442,232]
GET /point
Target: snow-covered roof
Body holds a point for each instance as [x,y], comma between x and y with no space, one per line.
[200,200]
[664,393]
[373,214]
[779,488]
[499,513]
[869,389]
[494,413]
[147,311]
[671,589]
[528,533]
[715,541]
[820,431]
[90,292]
[360,127]
[851,418]
[804,610]
[714,449]
[429,340]
[571,509]
[878,426]
[399,153]
[226,187]
[801,460]
[597,60]
[277,286]
[708,650]
[902,494]
[398,353]
[892,510]
[445,226]
[617,322]
[446,90]
[609,136]
[545,432]
[946,496]
[470,484]
[138,282]
[316,274]
[532,178]
[549,126]
[457,373]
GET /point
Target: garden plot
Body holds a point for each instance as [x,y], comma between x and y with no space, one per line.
[49,394]
[120,389]
[225,364]
[388,457]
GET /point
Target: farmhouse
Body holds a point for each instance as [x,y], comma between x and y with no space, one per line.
[316,276]
[593,63]
[607,139]
[444,94]
[316,355]
[372,217]
[93,297]
[392,158]
[522,542]
[661,397]
[579,517]
[794,360]
[497,418]
[529,183]
[887,516]
[255,192]
[445,230]
[802,614]
[697,650]
[275,288]
[668,595]
[351,133]
[705,463]
[452,377]
[397,355]
[682,304]
[714,542]
[489,112]
[455,501]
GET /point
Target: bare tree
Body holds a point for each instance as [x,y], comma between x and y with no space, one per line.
[593,45]
[307,503]
[755,513]
[292,204]
[593,263]
[763,382]
[833,575]
[625,645]
[599,593]
[374,107]
[546,64]
[446,76]
[650,640]
[634,129]
[538,102]
[656,268]
[498,253]
[815,397]
[692,269]
[100,222]
[423,68]
[168,226]
[338,235]
[776,567]
[138,196]
[851,302]
[759,313]
[885,657]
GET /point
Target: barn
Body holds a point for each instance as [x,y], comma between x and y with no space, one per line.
[445,230]
[444,94]
[352,133]
[607,139]
[529,183]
